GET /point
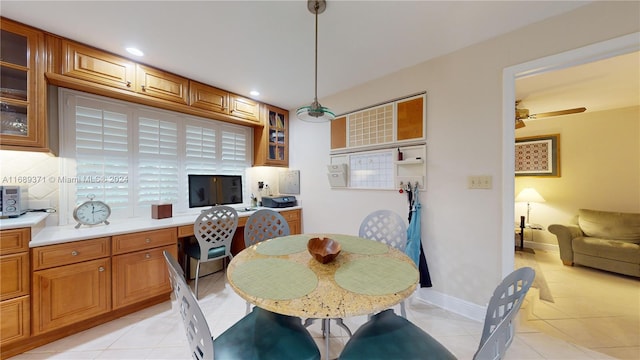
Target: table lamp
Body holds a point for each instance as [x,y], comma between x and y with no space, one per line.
[529,195]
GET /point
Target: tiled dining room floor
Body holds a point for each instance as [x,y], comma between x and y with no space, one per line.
[597,311]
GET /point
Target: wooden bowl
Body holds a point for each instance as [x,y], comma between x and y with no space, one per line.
[324,250]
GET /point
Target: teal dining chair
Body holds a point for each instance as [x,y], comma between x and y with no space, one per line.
[389,336]
[213,229]
[260,335]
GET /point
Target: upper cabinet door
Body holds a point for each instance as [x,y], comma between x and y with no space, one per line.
[22,88]
[162,85]
[207,97]
[244,108]
[86,63]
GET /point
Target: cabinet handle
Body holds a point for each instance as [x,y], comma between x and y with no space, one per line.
[128,83]
[101,269]
[74,253]
[147,256]
[143,88]
[147,240]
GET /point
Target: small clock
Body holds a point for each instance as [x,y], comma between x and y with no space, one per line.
[91,212]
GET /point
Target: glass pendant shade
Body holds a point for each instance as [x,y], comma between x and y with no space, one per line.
[315,113]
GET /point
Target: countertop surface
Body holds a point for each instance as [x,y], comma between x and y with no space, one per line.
[50,235]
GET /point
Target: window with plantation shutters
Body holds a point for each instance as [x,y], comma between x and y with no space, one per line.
[142,155]
[101,153]
[157,155]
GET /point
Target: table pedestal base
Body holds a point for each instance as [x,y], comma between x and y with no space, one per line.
[326,329]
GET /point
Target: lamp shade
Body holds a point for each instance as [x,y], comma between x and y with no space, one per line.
[529,195]
[315,113]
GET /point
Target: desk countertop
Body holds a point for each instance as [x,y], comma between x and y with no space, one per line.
[50,235]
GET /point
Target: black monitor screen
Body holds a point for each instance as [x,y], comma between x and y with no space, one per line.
[210,190]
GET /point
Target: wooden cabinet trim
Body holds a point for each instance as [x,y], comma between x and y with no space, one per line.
[69,253]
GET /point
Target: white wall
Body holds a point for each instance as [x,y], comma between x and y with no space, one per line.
[461,228]
[600,167]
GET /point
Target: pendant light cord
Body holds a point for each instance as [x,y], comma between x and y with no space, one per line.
[315,98]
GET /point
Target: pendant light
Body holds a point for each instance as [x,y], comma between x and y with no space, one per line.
[315,112]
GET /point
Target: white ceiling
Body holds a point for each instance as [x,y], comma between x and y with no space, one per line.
[269,45]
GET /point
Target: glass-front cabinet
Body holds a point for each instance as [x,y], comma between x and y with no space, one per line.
[272,142]
[22,88]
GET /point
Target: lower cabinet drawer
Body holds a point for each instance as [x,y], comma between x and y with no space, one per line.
[15,322]
[141,275]
[14,275]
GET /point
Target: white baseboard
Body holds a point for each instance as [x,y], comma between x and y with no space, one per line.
[541,246]
[453,304]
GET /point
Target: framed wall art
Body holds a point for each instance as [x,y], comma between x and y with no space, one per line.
[538,156]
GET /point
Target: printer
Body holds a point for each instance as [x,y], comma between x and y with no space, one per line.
[279,201]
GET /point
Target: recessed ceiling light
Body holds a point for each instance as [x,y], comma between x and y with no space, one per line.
[134,51]
[254,93]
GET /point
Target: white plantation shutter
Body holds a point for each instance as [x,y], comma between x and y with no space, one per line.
[150,151]
[200,153]
[157,172]
[234,154]
[101,153]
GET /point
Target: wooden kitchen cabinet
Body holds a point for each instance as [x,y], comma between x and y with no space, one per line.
[207,97]
[139,268]
[271,143]
[23,88]
[68,294]
[244,108]
[162,85]
[86,63]
[14,285]
[71,283]
[294,219]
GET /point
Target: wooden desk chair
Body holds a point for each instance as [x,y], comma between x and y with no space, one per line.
[214,230]
[261,335]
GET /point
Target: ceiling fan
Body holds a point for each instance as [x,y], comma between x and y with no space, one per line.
[523,114]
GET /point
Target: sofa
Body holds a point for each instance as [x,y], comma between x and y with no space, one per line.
[603,240]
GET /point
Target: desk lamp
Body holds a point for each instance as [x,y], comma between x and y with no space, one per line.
[529,195]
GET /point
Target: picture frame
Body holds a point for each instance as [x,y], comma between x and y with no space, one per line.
[538,156]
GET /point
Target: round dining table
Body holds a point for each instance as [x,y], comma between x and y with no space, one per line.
[280,275]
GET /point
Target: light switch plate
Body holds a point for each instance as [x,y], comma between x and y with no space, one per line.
[480,182]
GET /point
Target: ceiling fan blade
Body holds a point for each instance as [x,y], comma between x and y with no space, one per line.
[519,124]
[557,113]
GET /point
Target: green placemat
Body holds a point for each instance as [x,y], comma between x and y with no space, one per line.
[275,279]
[376,276]
[357,245]
[283,245]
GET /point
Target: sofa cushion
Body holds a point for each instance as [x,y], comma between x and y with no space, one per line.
[608,249]
[610,225]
